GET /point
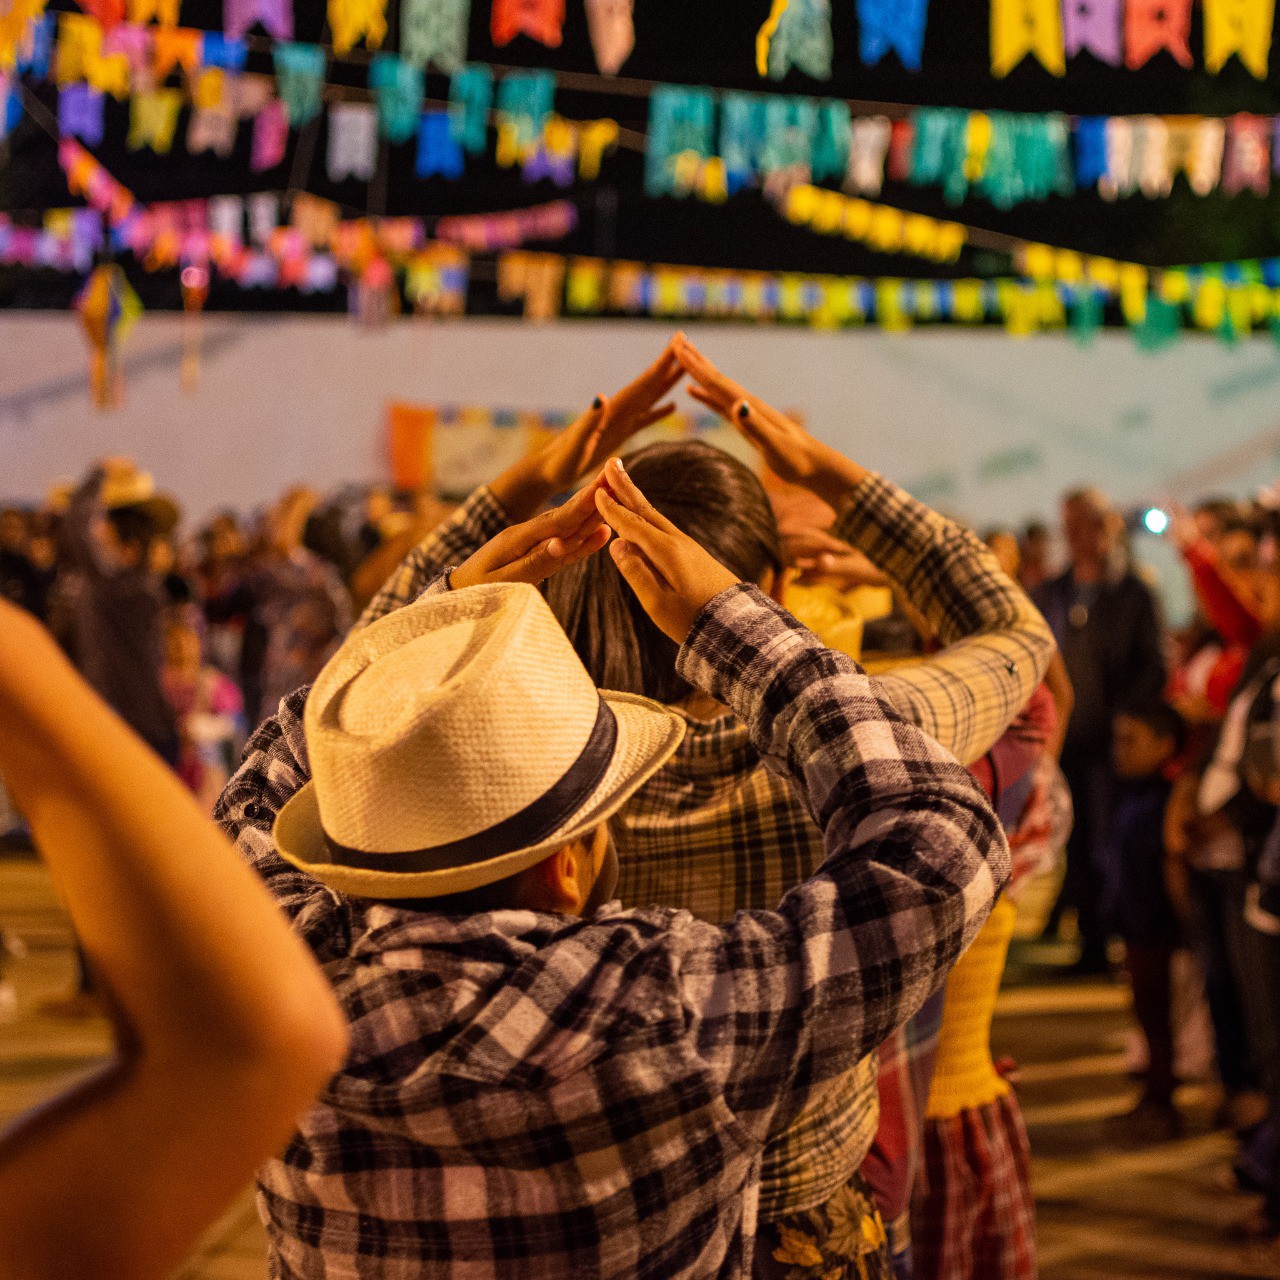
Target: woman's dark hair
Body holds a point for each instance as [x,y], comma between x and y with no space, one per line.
[718,502]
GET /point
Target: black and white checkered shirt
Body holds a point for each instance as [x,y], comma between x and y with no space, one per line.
[540,1097]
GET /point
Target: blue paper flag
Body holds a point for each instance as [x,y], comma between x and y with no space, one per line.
[399,88]
[439,151]
[217,50]
[892,26]
[10,108]
[681,119]
[39,52]
[470,99]
[1091,150]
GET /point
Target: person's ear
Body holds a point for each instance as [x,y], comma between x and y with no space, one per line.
[555,881]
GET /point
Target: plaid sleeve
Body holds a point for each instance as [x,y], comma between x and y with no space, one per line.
[274,769]
[480,518]
[914,857]
[998,646]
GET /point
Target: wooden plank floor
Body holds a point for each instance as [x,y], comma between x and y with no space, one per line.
[1106,1211]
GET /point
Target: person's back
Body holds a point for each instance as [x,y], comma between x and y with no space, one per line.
[535,1094]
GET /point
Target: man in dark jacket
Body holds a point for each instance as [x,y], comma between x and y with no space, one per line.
[1107,625]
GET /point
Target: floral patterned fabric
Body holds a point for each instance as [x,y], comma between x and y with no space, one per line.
[843,1239]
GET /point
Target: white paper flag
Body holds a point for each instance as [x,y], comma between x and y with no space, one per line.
[353,141]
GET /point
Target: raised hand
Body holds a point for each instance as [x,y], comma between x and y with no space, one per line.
[817,556]
[789,450]
[672,576]
[533,551]
[608,424]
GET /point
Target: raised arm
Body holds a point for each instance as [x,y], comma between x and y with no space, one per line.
[226,1028]
[998,647]
[522,490]
[914,853]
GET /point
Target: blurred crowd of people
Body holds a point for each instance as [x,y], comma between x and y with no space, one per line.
[1166,744]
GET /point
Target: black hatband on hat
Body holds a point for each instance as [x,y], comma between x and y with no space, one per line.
[533,824]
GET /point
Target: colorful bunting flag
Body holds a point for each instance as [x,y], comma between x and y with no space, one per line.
[164,12]
[10,106]
[1026,27]
[892,26]
[153,119]
[797,33]
[470,99]
[525,101]
[681,120]
[1247,162]
[1152,26]
[300,80]
[270,137]
[80,111]
[109,308]
[611,26]
[353,141]
[264,216]
[790,126]
[399,88]
[435,31]
[830,157]
[353,21]
[742,133]
[1242,27]
[17,20]
[541,20]
[219,50]
[438,150]
[174,47]
[868,150]
[276,17]
[1094,26]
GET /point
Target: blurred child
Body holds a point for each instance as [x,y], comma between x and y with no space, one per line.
[1147,740]
[208,706]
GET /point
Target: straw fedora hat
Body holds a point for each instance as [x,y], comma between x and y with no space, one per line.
[458,741]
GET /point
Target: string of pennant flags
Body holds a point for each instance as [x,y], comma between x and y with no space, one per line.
[699,141]
[797,34]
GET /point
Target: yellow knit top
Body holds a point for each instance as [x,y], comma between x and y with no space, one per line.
[964,1074]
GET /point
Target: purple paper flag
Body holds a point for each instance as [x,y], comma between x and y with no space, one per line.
[270,136]
[276,17]
[80,114]
[1094,26]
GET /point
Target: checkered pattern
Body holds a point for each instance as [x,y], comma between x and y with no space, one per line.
[682,837]
[533,1096]
[974,1216]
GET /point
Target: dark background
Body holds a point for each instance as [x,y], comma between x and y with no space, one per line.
[709,43]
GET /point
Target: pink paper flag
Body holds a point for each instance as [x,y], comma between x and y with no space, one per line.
[270,136]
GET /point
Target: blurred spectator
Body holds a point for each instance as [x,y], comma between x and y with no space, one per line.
[1107,625]
[1034,551]
[110,524]
[208,706]
[301,609]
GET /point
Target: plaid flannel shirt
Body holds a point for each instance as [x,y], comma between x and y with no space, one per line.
[533,1096]
[715,831]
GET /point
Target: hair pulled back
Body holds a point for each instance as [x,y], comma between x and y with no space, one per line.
[718,502]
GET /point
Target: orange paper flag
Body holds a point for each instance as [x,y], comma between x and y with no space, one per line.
[409,429]
[1153,25]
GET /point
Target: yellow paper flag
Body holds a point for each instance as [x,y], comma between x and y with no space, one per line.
[1022,27]
[1242,27]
